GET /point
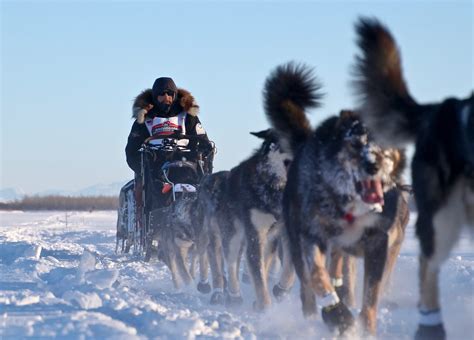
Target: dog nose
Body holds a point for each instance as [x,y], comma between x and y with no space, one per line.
[370,167]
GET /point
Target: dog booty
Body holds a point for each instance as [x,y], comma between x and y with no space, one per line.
[338,316]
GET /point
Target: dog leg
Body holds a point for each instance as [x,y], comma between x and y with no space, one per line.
[232,248]
[431,323]
[181,260]
[202,245]
[173,267]
[258,270]
[287,277]
[335,314]
[311,269]
[320,279]
[392,257]
[336,272]
[375,258]
[336,263]
[308,298]
[468,198]
[349,270]
[342,272]
[245,273]
[216,263]
[261,232]
[193,261]
[271,261]
[239,264]
[447,224]
[203,285]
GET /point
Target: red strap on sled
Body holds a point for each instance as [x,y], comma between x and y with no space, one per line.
[166,188]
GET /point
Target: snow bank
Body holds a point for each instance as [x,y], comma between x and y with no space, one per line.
[66,281]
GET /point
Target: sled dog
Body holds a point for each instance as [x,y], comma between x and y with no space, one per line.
[442,165]
[176,229]
[242,214]
[212,199]
[248,213]
[341,192]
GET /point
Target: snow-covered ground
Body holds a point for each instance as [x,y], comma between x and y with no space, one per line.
[64,280]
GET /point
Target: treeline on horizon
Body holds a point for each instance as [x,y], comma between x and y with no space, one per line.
[65,203]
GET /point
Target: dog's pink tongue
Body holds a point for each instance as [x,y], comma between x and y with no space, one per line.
[373,191]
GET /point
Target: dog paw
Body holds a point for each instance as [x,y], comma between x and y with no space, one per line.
[233,301]
[204,287]
[217,298]
[148,255]
[161,255]
[280,293]
[261,306]
[436,332]
[338,316]
[225,283]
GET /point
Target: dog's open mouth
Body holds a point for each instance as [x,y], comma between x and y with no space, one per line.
[371,190]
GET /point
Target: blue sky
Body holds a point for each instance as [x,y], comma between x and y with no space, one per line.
[70,70]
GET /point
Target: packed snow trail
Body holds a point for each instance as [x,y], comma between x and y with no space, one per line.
[60,277]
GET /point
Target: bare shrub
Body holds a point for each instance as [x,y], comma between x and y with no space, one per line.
[56,202]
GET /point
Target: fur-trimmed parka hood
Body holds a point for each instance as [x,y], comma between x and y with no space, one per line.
[184,102]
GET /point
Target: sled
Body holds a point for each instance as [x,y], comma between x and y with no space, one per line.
[169,171]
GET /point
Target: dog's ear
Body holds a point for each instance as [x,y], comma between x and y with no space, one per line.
[399,159]
[264,134]
[347,114]
[344,117]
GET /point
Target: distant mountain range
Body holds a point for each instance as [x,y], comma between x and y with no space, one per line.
[111,189]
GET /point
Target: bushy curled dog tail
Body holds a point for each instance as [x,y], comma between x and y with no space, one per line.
[385,103]
[289,91]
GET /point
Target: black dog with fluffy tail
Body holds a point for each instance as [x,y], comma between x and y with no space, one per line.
[443,163]
[341,192]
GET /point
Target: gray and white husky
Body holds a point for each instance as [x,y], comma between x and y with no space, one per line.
[244,210]
[443,162]
[341,192]
[176,229]
[241,213]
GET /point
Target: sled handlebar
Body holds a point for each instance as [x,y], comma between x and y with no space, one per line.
[170,145]
[175,136]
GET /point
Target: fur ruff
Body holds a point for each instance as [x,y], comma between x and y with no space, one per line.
[184,102]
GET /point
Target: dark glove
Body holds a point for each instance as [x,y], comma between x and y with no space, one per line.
[205,146]
[338,316]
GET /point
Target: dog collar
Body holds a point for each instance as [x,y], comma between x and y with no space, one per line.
[349,217]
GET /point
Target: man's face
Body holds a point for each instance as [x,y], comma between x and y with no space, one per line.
[166,97]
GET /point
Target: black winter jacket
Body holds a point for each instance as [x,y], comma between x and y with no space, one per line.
[139,132]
